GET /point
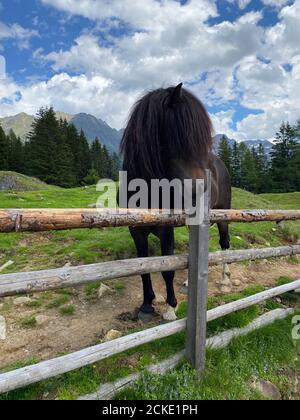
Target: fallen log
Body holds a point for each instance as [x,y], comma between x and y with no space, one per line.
[37,220]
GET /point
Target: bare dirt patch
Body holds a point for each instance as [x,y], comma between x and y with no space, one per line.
[92,319]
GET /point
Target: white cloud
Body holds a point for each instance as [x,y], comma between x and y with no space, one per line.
[276,3]
[146,14]
[75,94]
[241,3]
[222,122]
[169,42]
[15,31]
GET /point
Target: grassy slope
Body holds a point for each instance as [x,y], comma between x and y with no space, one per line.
[23,182]
[229,371]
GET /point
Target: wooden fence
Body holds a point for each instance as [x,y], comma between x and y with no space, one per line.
[197,262]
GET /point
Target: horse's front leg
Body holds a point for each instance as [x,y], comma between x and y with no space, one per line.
[140,237]
[166,236]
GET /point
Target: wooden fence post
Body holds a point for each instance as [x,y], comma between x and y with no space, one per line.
[198,286]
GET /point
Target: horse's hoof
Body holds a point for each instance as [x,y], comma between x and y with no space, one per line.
[170,314]
[146,317]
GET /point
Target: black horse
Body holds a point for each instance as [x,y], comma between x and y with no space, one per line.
[168,136]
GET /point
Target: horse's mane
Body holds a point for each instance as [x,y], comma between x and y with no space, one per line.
[165,124]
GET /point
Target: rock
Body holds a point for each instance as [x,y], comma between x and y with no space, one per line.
[112,335]
[92,206]
[22,301]
[2,328]
[267,389]
[225,289]
[236,282]
[42,320]
[239,238]
[68,264]
[104,290]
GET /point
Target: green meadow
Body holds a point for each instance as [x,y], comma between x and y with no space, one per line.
[268,354]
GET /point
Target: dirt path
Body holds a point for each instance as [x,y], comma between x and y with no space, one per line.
[93,319]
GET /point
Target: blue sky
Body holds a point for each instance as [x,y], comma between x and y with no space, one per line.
[240,57]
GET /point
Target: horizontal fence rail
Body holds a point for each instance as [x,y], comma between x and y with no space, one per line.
[60,365]
[37,220]
[39,281]
[222,340]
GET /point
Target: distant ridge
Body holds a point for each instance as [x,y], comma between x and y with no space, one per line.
[249,143]
[95,127]
[92,127]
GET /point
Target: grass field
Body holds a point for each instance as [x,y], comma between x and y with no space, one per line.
[268,354]
[53,249]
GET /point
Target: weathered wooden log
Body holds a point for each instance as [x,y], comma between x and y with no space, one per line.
[39,281]
[251,300]
[36,220]
[54,367]
[229,257]
[107,391]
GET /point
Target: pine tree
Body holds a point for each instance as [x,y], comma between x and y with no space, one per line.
[283,164]
[92,177]
[83,158]
[97,158]
[236,166]
[261,162]
[116,166]
[47,153]
[225,153]
[4,150]
[15,153]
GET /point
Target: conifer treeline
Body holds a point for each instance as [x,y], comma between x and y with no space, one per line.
[57,153]
[251,169]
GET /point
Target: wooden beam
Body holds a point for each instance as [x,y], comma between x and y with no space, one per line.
[238,305]
[107,391]
[39,281]
[54,367]
[198,284]
[37,220]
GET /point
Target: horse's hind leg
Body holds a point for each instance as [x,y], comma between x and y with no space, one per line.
[140,237]
[225,283]
[224,235]
[166,236]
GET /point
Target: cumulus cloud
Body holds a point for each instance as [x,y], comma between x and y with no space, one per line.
[241,3]
[168,42]
[147,14]
[72,94]
[16,32]
[276,3]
